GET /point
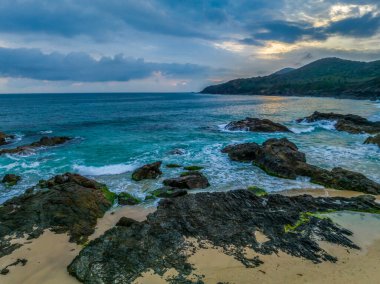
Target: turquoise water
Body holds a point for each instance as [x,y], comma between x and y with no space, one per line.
[115,133]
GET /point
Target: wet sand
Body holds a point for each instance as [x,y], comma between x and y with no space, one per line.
[49,255]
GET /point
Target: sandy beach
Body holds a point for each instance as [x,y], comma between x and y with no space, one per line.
[49,255]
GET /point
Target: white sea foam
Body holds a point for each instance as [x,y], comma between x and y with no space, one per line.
[104,170]
[222,127]
[46,132]
[324,124]
[302,130]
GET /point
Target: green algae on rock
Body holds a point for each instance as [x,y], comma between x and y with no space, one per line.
[126,198]
[69,204]
[227,220]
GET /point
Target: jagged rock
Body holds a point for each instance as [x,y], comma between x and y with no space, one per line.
[228,220]
[281,158]
[125,198]
[373,140]
[11,179]
[126,222]
[43,142]
[256,125]
[4,138]
[346,122]
[70,204]
[168,192]
[191,180]
[149,171]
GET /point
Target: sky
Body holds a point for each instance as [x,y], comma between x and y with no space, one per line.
[173,45]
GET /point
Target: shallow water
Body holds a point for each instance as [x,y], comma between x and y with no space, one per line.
[117,132]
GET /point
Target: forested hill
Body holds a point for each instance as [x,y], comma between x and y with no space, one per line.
[328,77]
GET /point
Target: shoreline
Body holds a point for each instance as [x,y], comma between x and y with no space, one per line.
[50,254]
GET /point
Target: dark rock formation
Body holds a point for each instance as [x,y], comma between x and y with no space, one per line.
[21,261]
[11,179]
[281,158]
[190,180]
[256,125]
[43,142]
[126,222]
[373,140]
[346,122]
[167,192]
[69,203]
[227,220]
[125,198]
[150,171]
[4,138]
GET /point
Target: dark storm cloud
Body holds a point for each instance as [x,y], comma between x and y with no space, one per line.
[206,19]
[365,26]
[33,64]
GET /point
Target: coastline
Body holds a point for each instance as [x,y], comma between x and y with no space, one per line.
[49,255]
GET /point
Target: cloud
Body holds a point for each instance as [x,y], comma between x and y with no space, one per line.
[365,26]
[80,67]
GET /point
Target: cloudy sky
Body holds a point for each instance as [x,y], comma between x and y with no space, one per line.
[173,45]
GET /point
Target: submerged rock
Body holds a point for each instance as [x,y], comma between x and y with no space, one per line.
[4,138]
[350,123]
[11,179]
[125,198]
[373,140]
[191,180]
[168,192]
[227,220]
[281,158]
[69,204]
[43,142]
[149,171]
[256,125]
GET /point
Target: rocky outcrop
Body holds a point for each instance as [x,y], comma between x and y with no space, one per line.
[43,142]
[188,180]
[256,125]
[149,171]
[11,179]
[373,140]
[167,192]
[125,198]
[281,158]
[4,138]
[68,203]
[345,122]
[227,220]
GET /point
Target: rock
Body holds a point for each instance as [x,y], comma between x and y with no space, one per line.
[258,191]
[125,198]
[191,180]
[173,166]
[168,192]
[281,158]
[227,220]
[43,142]
[11,179]
[177,151]
[345,122]
[70,204]
[193,168]
[126,222]
[21,261]
[256,125]
[4,138]
[150,171]
[373,140]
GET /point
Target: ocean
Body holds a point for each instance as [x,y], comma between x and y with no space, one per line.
[117,132]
